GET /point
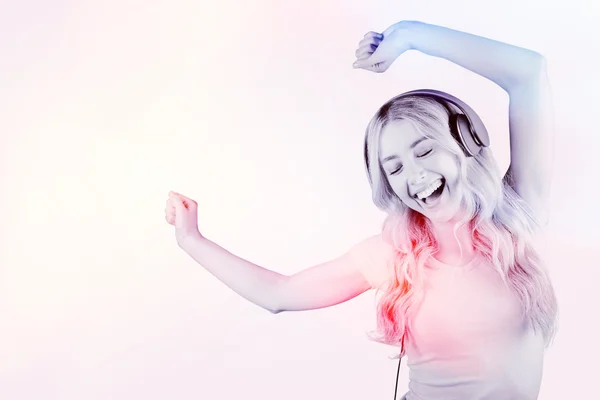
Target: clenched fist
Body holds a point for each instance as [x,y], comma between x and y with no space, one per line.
[377,51]
[182,213]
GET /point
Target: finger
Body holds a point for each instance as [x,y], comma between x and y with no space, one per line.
[369,47]
[178,195]
[369,41]
[170,209]
[177,203]
[171,214]
[377,57]
[367,62]
[175,194]
[371,64]
[379,67]
[364,55]
[189,204]
[186,200]
[180,199]
[371,34]
[185,203]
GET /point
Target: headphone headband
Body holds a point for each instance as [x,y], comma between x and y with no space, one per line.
[471,133]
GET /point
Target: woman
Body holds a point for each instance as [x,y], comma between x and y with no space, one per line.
[464,293]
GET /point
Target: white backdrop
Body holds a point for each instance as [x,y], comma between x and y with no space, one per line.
[252,109]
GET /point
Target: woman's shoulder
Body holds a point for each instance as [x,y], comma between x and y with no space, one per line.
[374,257]
[374,245]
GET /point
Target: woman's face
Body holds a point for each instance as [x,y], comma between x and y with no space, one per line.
[422,173]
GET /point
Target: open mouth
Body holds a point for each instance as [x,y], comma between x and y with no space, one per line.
[431,194]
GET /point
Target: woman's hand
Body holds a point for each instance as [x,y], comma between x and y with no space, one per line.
[182,213]
[377,51]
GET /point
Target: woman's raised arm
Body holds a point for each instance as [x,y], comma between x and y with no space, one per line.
[520,72]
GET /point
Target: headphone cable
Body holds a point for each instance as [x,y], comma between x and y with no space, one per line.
[397,376]
[399,362]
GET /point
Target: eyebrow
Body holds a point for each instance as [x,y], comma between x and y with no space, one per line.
[412,146]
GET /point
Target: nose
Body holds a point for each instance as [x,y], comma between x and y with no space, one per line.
[416,175]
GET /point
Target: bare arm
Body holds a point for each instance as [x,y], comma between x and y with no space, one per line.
[531,124]
[522,74]
[323,285]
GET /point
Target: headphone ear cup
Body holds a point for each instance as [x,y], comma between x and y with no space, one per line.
[464,135]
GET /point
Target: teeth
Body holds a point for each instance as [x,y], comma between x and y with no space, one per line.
[430,189]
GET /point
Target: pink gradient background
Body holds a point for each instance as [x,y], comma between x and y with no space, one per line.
[252,109]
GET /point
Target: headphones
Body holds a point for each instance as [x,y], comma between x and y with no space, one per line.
[466,127]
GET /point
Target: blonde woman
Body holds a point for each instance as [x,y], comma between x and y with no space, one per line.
[463,292]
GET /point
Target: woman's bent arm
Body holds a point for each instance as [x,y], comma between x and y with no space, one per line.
[320,286]
[522,74]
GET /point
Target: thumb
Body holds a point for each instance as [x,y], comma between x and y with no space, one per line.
[180,210]
[184,202]
[370,62]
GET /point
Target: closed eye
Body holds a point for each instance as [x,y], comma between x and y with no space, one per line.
[397,170]
[425,153]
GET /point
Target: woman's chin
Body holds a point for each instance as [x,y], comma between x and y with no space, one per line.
[444,215]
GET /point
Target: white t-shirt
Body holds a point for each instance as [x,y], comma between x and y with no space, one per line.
[468,339]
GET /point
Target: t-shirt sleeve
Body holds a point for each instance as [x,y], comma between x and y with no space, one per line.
[374,259]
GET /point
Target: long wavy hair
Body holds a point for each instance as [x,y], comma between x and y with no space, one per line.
[502,226]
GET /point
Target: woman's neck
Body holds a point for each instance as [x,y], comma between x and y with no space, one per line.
[452,245]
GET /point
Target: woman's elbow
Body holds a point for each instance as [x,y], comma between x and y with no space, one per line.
[531,72]
[276,297]
[533,69]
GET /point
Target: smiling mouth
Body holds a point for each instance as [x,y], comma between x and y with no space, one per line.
[429,198]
